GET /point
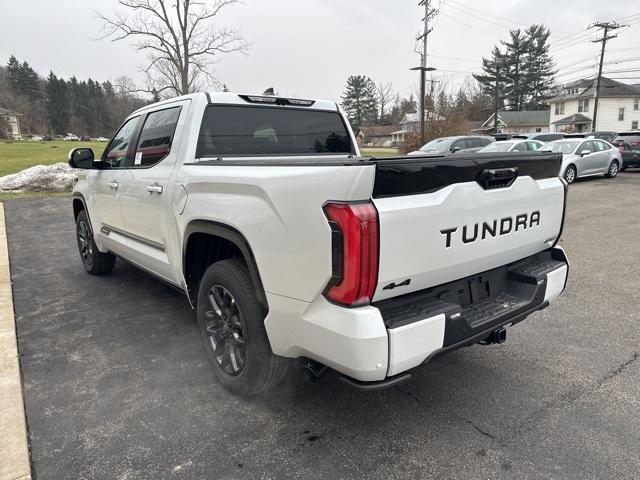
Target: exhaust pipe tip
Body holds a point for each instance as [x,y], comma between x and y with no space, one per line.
[497,336]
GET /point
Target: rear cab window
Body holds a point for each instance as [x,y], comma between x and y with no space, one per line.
[236,131]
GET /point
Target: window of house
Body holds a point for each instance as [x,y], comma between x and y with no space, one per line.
[636,103]
[583,105]
[621,114]
[559,108]
[634,125]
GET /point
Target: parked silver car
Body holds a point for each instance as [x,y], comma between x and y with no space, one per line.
[513,145]
[584,158]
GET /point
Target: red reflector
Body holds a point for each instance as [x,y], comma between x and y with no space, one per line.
[358,223]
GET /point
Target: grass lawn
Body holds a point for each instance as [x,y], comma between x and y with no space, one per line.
[379,152]
[16,156]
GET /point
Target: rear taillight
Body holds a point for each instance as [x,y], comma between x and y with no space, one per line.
[354,248]
[621,148]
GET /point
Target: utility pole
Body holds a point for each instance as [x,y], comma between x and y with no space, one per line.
[428,12]
[496,97]
[431,81]
[606,28]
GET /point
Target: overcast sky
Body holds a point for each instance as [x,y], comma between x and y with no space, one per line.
[309,47]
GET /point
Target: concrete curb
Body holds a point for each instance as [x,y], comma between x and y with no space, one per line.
[14,461]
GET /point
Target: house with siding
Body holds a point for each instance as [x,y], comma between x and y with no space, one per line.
[525,121]
[618,106]
[376,135]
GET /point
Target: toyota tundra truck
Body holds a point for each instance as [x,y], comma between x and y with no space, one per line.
[291,245]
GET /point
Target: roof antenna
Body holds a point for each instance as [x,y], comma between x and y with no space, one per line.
[269,91]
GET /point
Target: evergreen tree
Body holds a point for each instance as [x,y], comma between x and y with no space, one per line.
[493,79]
[359,101]
[57,104]
[540,68]
[524,71]
[516,59]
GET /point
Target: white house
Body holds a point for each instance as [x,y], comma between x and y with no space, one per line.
[525,121]
[411,124]
[12,121]
[618,106]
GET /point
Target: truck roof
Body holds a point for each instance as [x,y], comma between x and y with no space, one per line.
[232,98]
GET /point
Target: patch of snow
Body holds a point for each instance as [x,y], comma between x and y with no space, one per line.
[41,178]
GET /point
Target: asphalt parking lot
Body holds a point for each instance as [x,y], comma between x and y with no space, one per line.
[116,383]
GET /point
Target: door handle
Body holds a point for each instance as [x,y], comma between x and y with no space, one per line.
[154,189]
[113,185]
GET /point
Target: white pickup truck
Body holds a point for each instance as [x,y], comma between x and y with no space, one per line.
[289,244]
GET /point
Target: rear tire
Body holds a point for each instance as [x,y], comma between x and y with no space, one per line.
[570,174]
[613,169]
[95,262]
[231,324]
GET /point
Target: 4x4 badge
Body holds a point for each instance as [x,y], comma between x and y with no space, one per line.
[392,285]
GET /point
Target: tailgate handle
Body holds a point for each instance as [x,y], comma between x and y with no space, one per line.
[497,177]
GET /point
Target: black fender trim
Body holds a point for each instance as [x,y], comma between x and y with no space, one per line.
[79,196]
[234,236]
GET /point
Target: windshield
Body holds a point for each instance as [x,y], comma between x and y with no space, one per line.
[560,147]
[437,145]
[497,147]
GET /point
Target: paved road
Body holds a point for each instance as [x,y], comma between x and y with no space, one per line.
[117,386]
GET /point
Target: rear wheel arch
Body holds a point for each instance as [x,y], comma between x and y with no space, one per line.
[207,242]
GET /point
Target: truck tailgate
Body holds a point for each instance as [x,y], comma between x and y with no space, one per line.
[446,218]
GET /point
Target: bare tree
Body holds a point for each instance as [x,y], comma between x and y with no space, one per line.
[179,38]
[385,97]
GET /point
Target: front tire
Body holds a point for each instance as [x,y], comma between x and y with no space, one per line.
[94,261]
[613,169]
[231,324]
[570,174]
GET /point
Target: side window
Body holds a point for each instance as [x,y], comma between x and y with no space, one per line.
[586,146]
[484,142]
[117,153]
[459,145]
[156,137]
[600,146]
[520,147]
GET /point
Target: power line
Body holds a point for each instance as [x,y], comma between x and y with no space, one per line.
[470,26]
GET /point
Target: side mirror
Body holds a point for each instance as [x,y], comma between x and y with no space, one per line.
[81,158]
[584,152]
[456,148]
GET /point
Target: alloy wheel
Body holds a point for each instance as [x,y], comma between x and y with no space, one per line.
[84,243]
[224,327]
[570,175]
[613,169]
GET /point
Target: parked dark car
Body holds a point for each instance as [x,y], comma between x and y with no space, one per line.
[444,145]
[606,136]
[47,138]
[85,138]
[629,145]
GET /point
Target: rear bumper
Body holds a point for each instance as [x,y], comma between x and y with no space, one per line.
[390,337]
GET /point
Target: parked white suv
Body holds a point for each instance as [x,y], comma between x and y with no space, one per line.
[289,244]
